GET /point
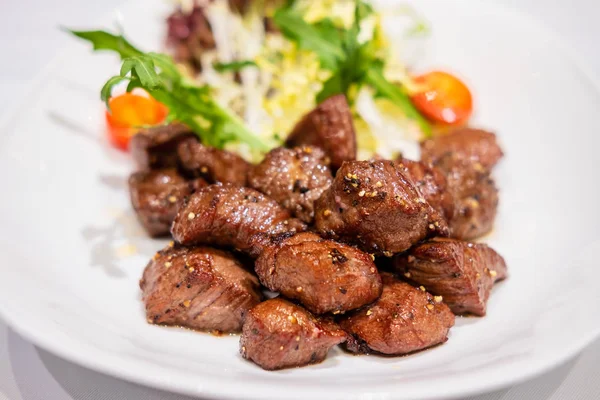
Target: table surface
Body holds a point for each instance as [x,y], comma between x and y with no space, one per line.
[29,39]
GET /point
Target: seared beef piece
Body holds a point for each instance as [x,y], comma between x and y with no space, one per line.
[432,184]
[278,334]
[323,275]
[330,127]
[199,288]
[462,272]
[474,194]
[374,205]
[156,196]
[231,215]
[405,319]
[212,164]
[476,145]
[189,35]
[294,178]
[156,147]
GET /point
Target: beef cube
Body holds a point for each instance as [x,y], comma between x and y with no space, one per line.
[323,275]
[294,178]
[474,194]
[375,205]
[156,147]
[214,165]
[157,195]
[462,273]
[476,145]
[278,334]
[330,127]
[405,319]
[198,288]
[234,216]
[432,184]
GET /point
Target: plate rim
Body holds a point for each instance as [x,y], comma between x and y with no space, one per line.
[218,387]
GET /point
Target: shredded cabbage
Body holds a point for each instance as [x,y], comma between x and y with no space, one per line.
[295,80]
[391,133]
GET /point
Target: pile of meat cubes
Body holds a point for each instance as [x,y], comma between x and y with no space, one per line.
[375,255]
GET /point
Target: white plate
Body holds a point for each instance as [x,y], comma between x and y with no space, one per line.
[72,252]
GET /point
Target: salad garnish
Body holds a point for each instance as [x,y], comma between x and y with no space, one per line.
[255,83]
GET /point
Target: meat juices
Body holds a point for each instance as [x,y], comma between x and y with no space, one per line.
[212,164]
[403,320]
[294,178]
[475,145]
[323,275]
[156,147]
[330,127]
[462,272]
[278,334]
[375,205]
[156,196]
[474,194]
[198,288]
[231,215]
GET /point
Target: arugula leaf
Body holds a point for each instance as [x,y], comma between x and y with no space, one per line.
[102,40]
[233,66]
[332,86]
[108,87]
[133,82]
[166,65]
[144,71]
[322,38]
[358,58]
[188,103]
[393,92]
[362,10]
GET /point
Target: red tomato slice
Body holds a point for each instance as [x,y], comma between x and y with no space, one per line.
[443,99]
[128,113]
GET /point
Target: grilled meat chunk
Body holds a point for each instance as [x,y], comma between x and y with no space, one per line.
[323,275]
[432,184]
[375,205]
[157,195]
[460,190]
[212,164]
[330,127]
[198,288]
[474,194]
[156,147]
[405,319]
[476,145]
[294,178]
[278,334]
[231,215]
[462,272]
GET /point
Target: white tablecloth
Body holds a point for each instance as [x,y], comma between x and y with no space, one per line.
[28,40]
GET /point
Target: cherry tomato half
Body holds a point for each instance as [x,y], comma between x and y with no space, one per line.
[128,113]
[443,98]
